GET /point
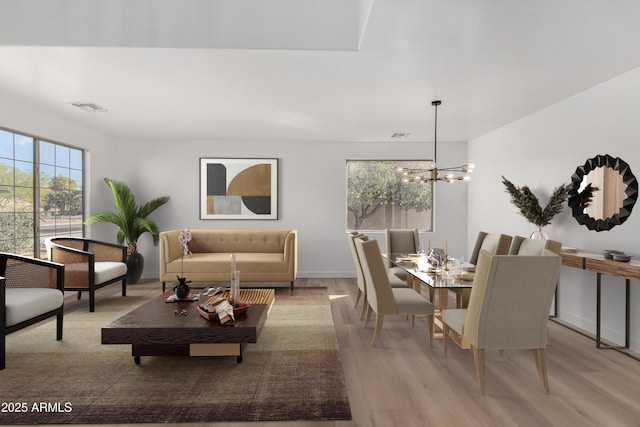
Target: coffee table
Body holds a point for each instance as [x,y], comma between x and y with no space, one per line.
[156,328]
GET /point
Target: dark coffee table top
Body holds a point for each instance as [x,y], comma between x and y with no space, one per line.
[156,323]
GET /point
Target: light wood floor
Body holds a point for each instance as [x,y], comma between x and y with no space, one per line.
[403,382]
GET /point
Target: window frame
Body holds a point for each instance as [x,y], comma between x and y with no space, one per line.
[68,167]
[422,224]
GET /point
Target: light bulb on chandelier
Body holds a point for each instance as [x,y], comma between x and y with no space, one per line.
[433,173]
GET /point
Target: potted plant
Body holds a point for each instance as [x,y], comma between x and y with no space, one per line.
[524,199]
[182,287]
[132,221]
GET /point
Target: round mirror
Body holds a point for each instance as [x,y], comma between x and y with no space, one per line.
[603,192]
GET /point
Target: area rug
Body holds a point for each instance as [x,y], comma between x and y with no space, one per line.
[292,373]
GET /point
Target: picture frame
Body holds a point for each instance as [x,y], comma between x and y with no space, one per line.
[238,188]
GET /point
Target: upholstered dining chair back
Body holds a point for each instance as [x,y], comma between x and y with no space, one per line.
[359,274]
[395,281]
[494,244]
[524,246]
[509,308]
[406,241]
[401,241]
[356,260]
[379,291]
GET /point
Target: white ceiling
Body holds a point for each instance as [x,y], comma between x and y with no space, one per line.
[300,70]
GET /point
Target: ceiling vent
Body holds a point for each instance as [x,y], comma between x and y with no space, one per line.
[89,107]
[400,135]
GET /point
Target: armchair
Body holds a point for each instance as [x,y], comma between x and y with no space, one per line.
[508,308]
[89,264]
[31,290]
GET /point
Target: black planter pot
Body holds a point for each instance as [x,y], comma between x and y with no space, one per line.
[182,291]
[135,265]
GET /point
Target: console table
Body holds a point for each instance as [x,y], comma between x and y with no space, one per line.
[598,264]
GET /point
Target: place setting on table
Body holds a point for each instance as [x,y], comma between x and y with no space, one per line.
[438,270]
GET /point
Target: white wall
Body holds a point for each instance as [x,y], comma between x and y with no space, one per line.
[312,186]
[543,151]
[311,194]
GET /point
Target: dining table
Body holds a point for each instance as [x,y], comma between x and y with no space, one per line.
[454,275]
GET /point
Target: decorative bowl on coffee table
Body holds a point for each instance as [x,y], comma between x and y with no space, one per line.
[214,316]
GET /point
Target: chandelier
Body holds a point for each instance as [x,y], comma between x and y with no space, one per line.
[434,173]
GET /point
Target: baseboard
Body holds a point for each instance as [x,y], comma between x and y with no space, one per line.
[589,326]
[301,275]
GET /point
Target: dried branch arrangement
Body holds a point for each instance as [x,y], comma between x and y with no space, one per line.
[524,199]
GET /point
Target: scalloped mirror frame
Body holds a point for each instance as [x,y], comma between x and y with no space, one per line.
[575,201]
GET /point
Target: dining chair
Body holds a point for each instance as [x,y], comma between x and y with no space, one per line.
[359,277]
[508,308]
[385,300]
[395,281]
[401,241]
[494,244]
[524,246]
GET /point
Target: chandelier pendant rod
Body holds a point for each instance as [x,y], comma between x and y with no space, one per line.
[432,173]
[435,131]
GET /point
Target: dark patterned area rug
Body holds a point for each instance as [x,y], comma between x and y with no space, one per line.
[292,373]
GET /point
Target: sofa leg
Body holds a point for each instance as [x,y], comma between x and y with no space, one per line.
[124,287]
[291,287]
[163,287]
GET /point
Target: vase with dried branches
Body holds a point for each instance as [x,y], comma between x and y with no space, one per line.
[182,287]
[530,208]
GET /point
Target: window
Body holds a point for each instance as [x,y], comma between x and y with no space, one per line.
[378,197]
[41,193]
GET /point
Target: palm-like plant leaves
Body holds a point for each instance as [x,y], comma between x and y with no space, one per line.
[132,221]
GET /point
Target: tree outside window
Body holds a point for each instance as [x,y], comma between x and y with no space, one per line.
[378,198]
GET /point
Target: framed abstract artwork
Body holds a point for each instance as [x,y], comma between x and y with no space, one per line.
[238,188]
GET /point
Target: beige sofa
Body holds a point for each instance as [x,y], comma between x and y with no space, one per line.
[261,256]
